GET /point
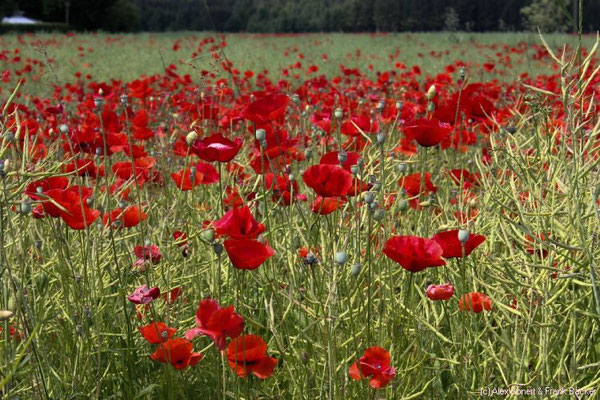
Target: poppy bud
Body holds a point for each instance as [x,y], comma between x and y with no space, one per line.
[431,93]
[463,236]
[310,258]
[341,257]
[380,138]
[191,138]
[41,281]
[338,113]
[403,205]
[218,248]
[369,197]
[430,107]
[342,156]
[356,269]
[402,168]
[64,129]
[5,315]
[354,169]
[261,135]
[208,235]
[124,99]
[379,215]
[399,105]
[462,73]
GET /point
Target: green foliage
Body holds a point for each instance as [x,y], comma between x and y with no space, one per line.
[545,15]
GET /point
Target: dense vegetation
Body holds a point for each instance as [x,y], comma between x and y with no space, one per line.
[307,15]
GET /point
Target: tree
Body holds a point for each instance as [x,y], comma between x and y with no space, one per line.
[545,15]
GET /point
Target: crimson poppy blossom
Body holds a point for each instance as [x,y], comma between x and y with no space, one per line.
[238,223]
[247,354]
[414,253]
[71,206]
[427,132]
[328,180]
[34,189]
[156,332]
[127,217]
[267,109]
[217,148]
[178,352]
[412,184]
[476,302]
[440,292]
[326,205]
[453,248]
[247,253]
[200,174]
[143,295]
[216,323]
[375,363]
[147,253]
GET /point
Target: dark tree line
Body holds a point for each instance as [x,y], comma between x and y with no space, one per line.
[292,15]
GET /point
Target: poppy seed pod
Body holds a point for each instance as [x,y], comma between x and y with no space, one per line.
[342,156]
[463,236]
[124,99]
[399,105]
[64,129]
[98,102]
[354,169]
[338,113]
[402,168]
[261,135]
[341,257]
[379,215]
[380,105]
[380,138]
[356,268]
[369,197]
[403,205]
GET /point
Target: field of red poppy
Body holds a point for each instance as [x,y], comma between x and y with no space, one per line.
[204,216]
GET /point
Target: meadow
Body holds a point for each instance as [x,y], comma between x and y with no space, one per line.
[343,216]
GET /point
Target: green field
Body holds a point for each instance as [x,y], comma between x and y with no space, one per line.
[516,161]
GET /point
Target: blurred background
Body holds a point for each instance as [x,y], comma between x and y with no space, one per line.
[298,15]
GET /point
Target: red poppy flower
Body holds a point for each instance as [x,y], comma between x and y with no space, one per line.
[143,295]
[536,248]
[427,132]
[414,253]
[216,323]
[157,332]
[128,217]
[178,352]
[332,158]
[440,292]
[247,253]
[267,109]
[412,184]
[475,301]
[327,205]
[217,148]
[328,180]
[375,363]
[452,246]
[148,253]
[238,223]
[247,354]
[200,174]
[34,189]
[72,206]
[181,238]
